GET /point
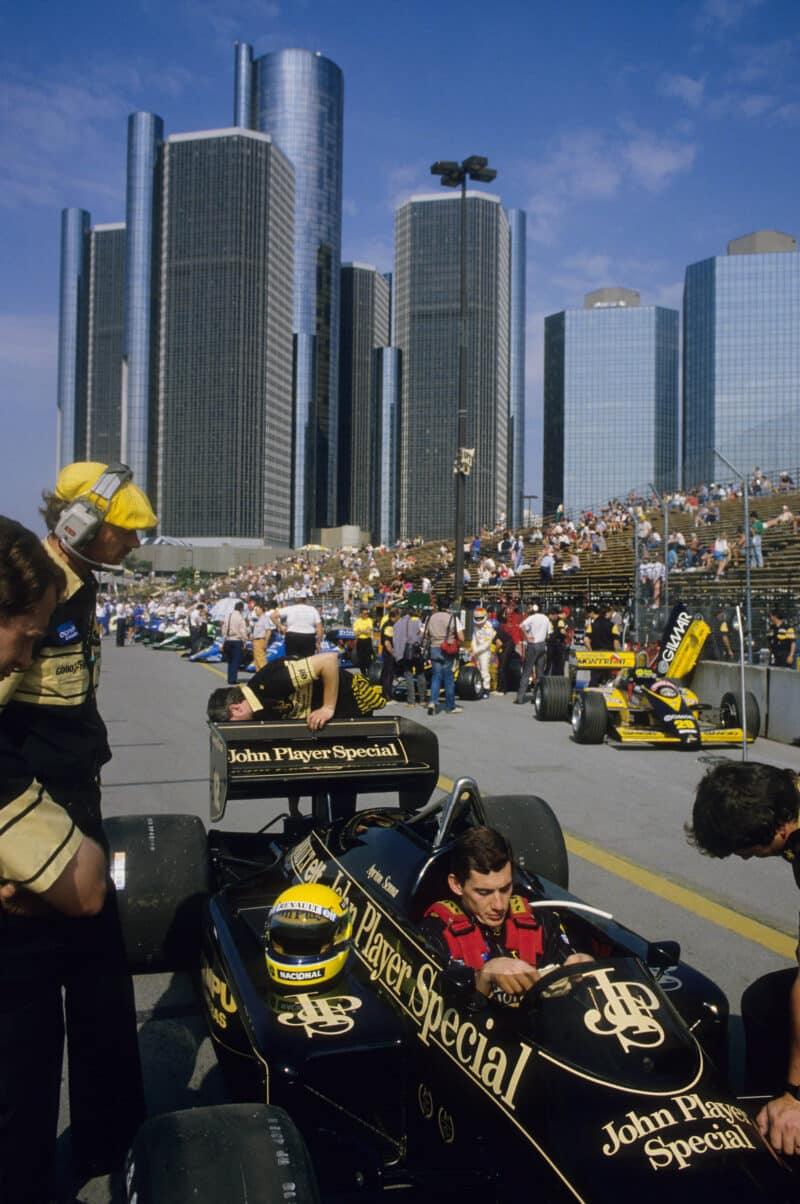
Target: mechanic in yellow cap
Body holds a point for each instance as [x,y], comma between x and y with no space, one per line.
[49,716]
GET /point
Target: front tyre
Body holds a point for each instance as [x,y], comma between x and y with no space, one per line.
[589,717]
[230,1154]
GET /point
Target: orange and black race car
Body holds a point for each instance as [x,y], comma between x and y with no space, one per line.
[648,704]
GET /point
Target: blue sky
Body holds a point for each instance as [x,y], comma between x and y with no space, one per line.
[639,137]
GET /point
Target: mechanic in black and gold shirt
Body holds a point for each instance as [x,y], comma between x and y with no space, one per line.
[753,810]
[51,730]
[47,867]
[316,689]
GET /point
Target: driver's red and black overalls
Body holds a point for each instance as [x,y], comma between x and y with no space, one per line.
[51,729]
[522,935]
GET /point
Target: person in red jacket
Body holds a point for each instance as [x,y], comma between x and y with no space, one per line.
[489,928]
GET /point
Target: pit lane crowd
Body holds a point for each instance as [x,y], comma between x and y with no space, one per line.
[62,959]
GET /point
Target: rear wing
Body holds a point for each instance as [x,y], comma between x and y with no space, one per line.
[681,642]
[275,760]
[606,659]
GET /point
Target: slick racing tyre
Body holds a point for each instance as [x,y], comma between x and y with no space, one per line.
[374,673]
[551,698]
[533,831]
[730,712]
[468,684]
[589,717]
[159,865]
[232,1153]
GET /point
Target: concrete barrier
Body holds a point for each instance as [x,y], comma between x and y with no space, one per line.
[777,692]
[784,706]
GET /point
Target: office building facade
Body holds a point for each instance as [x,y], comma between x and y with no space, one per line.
[610,400]
[427,328]
[297,97]
[386,445]
[364,327]
[741,359]
[104,340]
[224,394]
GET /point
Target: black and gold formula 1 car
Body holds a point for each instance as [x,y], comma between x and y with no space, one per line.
[375,1071]
[647,704]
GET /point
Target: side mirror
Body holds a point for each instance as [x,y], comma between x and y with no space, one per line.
[661,955]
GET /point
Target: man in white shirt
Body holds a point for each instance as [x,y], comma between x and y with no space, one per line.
[536,627]
[302,626]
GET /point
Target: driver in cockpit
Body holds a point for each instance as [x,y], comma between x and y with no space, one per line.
[485,926]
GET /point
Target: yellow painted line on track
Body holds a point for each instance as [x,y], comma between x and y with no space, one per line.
[671,892]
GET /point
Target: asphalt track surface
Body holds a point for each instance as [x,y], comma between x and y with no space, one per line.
[622,811]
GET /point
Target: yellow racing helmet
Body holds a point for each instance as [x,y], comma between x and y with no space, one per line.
[307,936]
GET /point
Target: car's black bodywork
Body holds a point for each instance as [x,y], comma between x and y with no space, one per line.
[606,1083]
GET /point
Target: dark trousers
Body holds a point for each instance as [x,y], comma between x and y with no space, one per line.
[235,654]
[387,674]
[767,1030]
[364,654]
[122,623]
[85,958]
[299,644]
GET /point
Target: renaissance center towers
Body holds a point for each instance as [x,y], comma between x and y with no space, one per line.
[297,97]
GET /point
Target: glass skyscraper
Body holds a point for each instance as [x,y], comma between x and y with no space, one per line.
[427,322]
[385,434]
[297,97]
[225,351]
[610,400]
[365,303]
[517,222]
[104,342]
[72,310]
[140,339]
[741,359]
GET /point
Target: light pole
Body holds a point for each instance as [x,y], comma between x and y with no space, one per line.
[454,175]
[748,598]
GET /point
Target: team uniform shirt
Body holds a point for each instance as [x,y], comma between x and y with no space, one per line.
[50,726]
[781,640]
[37,837]
[293,689]
[363,629]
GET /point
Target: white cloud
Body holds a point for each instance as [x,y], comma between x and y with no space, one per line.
[594,166]
[405,180]
[655,162]
[789,112]
[725,14]
[685,88]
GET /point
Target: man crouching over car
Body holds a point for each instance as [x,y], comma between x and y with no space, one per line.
[488,928]
[316,689]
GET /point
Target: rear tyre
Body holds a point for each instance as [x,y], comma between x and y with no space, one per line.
[468,684]
[730,712]
[159,864]
[234,1153]
[534,833]
[551,697]
[589,717]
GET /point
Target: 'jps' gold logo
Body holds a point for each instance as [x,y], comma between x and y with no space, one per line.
[623,1010]
[322,1017]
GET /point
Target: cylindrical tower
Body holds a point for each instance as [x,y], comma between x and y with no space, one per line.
[299,100]
[71,334]
[145,134]
[243,85]
[516,354]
